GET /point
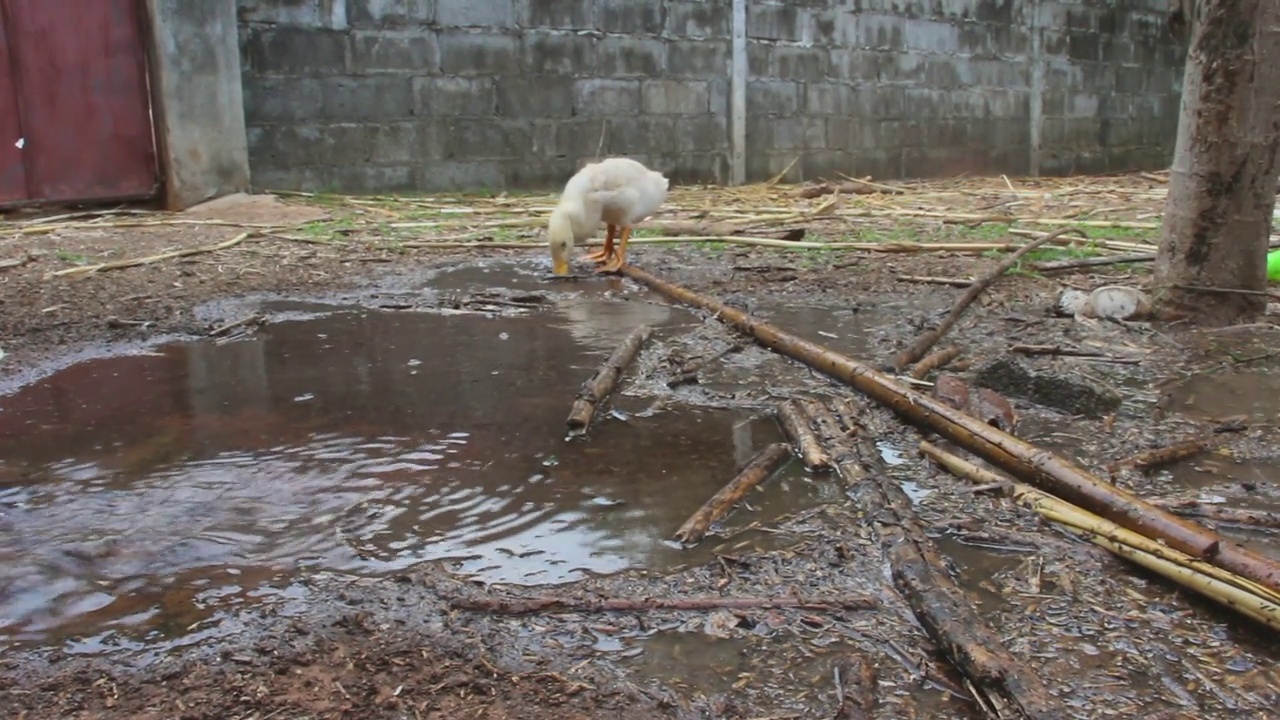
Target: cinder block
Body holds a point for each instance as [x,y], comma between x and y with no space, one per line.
[694,167]
[931,36]
[606,97]
[395,51]
[1132,79]
[774,22]
[579,137]
[882,32]
[393,143]
[281,99]
[701,133]
[558,14]
[1117,50]
[485,139]
[266,178]
[706,59]
[629,17]
[863,66]
[759,59]
[830,99]
[794,133]
[449,175]
[378,98]
[773,97]
[359,179]
[699,19]
[884,102]
[464,53]
[632,136]
[308,15]
[718,90]
[1084,47]
[806,64]
[454,97]
[1082,105]
[630,57]
[475,13]
[535,97]
[387,13]
[550,54]
[541,173]
[674,97]
[296,51]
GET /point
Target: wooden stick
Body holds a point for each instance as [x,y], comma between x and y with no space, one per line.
[602,383]
[1164,455]
[689,374]
[845,188]
[930,280]
[1059,265]
[1018,457]
[135,262]
[998,681]
[756,472]
[795,424]
[572,604]
[934,361]
[855,688]
[1055,350]
[917,349]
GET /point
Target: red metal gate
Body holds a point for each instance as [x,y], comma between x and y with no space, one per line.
[75,109]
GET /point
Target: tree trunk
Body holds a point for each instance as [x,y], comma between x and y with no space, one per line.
[1222,188]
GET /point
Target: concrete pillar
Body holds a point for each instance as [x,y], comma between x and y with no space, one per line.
[197,101]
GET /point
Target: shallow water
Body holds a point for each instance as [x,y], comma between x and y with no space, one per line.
[146,493]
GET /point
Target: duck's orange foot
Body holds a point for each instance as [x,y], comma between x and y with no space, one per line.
[613,265]
[597,256]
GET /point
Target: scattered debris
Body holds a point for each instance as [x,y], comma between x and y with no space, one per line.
[570,604]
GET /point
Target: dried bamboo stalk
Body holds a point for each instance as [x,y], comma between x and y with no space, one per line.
[756,472]
[934,361]
[1021,459]
[135,262]
[602,383]
[795,424]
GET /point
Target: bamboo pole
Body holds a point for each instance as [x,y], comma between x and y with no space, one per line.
[1035,465]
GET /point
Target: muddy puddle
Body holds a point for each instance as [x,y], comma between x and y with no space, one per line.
[143,495]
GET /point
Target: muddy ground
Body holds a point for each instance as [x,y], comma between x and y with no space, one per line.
[1109,640]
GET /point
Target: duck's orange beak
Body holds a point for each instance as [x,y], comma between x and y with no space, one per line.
[559,260]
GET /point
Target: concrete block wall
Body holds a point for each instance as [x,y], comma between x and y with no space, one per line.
[423,95]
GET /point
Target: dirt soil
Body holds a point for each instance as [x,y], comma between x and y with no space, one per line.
[366,651]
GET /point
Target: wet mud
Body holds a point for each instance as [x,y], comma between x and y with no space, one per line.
[287,508]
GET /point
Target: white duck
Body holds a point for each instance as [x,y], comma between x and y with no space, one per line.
[617,191]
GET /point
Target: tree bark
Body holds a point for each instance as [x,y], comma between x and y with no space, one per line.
[1222,186]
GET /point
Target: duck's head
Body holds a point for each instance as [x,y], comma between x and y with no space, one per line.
[560,237]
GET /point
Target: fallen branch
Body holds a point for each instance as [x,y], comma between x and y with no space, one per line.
[855,678]
[997,680]
[1164,455]
[1019,458]
[845,188]
[795,424]
[223,329]
[934,361]
[689,374]
[757,471]
[694,228]
[148,260]
[568,604]
[1060,350]
[602,383]
[929,280]
[1059,265]
[917,349]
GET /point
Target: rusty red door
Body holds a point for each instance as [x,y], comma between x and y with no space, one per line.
[77,76]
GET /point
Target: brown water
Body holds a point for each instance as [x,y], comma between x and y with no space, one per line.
[1253,394]
[143,495]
